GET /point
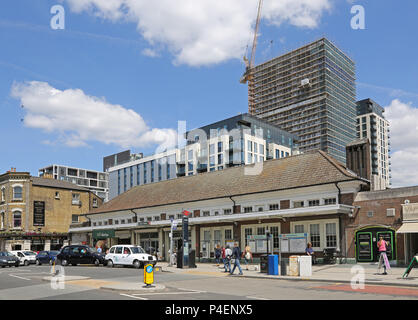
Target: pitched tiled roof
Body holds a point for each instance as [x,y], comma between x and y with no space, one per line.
[292,172]
[54,183]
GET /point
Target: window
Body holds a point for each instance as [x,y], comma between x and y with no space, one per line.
[261,231]
[260,209]
[116,222]
[255,147]
[299,228]
[2,220]
[248,209]
[228,234]
[277,154]
[227,211]
[212,161]
[100,223]
[275,234]
[220,146]
[95,203]
[179,216]
[118,250]
[220,158]
[315,237]
[331,234]
[298,204]
[330,201]
[57,195]
[122,221]
[370,214]
[17,193]
[313,203]
[216,213]
[212,148]
[171,217]
[156,218]
[247,232]
[3,194]
[274,206]
[76,198]
[129,220]
[74,218]
[250,146]
[206,213]
[149,218]
[206,235]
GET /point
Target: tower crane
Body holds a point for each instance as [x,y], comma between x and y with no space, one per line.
[249,64]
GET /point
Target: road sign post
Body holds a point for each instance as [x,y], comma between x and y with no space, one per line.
[149,275]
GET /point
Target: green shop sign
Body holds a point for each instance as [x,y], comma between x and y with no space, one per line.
[103,234]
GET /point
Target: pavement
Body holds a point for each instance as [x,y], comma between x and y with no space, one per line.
[340,273]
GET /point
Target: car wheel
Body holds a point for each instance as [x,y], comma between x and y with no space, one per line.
[97,262]
[26,263]
[3,266]
[110,264]
[137,264]
[64,262]
[38,263]
[74,264]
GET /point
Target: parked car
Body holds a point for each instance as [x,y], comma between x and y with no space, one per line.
[26,257]
[8,259]
[80,254]
[46,257]
[129,255]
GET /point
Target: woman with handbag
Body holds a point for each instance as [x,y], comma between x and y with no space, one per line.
[247,255]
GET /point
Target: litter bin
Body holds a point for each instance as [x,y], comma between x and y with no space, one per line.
[264,263]
[305,266]
[273,264]
[192,258]
[283,267]
[180,259]
[294,266]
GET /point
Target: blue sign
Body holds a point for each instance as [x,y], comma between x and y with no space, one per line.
[149,269]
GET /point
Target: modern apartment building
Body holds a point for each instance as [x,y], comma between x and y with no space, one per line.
[95,181]
[371,124]
[309,92]
[238,140]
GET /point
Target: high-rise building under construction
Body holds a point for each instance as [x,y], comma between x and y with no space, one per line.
[309,92]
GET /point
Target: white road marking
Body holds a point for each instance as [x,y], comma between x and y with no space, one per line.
[155,293]
[12,275]
[128,295]
[196,291]
[257,298]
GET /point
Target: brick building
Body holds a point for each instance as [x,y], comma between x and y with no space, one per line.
[35,213]
[309,193]
[392,213]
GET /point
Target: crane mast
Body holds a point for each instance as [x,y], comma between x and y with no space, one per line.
[249,64]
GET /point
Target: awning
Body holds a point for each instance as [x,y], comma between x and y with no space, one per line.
[408,227]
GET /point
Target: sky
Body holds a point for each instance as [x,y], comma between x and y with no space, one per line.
[98,77]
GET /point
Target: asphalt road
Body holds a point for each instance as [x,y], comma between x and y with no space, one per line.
[27,283]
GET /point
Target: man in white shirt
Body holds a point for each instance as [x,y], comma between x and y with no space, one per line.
[228,257]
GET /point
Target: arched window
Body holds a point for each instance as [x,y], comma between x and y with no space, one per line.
[2,222]
[17,193]
[3,194]
[17,219]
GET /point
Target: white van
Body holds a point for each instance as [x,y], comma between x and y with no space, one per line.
[129,255]
[26,257]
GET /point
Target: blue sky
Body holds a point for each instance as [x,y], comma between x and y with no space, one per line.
[139,63]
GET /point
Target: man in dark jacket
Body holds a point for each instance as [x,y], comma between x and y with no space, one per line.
[236,253]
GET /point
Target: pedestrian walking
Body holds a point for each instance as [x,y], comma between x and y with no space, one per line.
[223,256]
[217,254]
[383,259]
[228,257]
[236,253]
[248,256]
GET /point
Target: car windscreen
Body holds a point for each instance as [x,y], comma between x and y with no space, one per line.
[29,253]
[137,250]
[9,254]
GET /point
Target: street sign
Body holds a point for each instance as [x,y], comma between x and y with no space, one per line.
[149,275]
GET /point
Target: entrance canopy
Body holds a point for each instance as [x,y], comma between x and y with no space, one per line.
[408,227]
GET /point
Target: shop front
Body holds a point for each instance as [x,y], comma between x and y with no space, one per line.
[102,238]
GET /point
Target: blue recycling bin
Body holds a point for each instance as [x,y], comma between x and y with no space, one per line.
[273,264]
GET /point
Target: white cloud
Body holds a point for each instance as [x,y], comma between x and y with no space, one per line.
[76,118]
[403,118]
[203,32]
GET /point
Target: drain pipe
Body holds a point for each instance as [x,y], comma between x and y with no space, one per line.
[340,225]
